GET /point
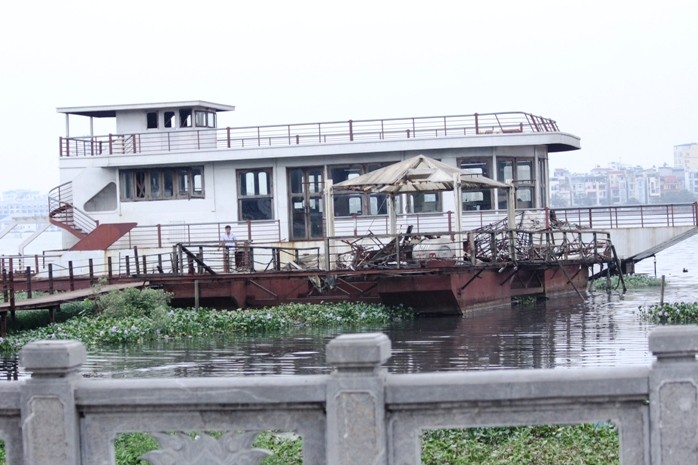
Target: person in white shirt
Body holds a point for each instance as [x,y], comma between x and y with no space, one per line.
[227,241]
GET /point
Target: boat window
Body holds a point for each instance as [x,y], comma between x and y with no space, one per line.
[169,119]
[476,199]
[140,184]
[255,194]
[520,171]
[185,118]
[197,181]
[152,120]
[159,184]
[205,119]
[183,182]
[155,191]
[356,203]
[306,202]
[424,203]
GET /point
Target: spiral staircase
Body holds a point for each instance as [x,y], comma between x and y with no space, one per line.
[90,233]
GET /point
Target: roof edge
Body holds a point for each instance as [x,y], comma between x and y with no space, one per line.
[102,111]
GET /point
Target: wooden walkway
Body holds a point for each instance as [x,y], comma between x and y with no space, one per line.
[53,301]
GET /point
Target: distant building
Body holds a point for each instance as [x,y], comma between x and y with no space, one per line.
[686,156]
[23,203]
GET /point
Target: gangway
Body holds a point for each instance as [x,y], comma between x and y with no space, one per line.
[52,302]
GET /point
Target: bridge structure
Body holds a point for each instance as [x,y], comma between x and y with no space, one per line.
[357,414]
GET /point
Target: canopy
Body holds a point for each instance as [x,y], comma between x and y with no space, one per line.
[418,174]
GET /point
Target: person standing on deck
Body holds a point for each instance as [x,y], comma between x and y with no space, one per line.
[227,241]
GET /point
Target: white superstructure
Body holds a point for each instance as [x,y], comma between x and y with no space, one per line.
[170,164]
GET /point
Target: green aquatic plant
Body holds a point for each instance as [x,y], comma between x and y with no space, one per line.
[636,281]
[128,323]
[677,313]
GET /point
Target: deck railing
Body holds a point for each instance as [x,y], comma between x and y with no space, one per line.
[630,216]
[57,417]
[63,213]
[306,133]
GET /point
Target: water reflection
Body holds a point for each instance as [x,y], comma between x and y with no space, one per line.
[603,330]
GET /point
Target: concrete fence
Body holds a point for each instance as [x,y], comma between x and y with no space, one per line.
[359,414]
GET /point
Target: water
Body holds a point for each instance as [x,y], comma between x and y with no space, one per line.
[602,330]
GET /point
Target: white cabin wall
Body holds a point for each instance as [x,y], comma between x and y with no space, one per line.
[223,189]
[129,122]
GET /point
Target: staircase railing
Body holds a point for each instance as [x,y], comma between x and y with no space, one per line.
[64,214]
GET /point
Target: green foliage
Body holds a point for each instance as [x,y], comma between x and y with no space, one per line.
[636,281]
[133,302]
[680,313]
[30,319]
[130,447]
[524,301]
[285,450]
[129,317]
[588,444]
[562,445]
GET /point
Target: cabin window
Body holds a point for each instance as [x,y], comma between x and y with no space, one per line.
[356,203]
[205,119]
[306,202]
[169,119]
[255,198]
[185,118]
[162,184]
[520,171]
[424,203]
[152,120]
[477,199]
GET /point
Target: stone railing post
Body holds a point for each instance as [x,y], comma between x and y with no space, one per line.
[50,430]
[356,426]
[673,387]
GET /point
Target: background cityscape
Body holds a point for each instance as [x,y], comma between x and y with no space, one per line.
[620,184]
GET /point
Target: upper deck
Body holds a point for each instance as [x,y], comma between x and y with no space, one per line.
[480,129]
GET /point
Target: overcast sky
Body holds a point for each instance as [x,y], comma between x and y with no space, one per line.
[621,75]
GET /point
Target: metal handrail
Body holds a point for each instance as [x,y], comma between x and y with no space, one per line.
[307,133]
[62,210]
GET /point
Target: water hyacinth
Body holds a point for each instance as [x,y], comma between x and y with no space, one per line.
[637,281]
[679,313]
[149,318]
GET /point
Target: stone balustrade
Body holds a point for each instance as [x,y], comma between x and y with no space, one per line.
[358,414]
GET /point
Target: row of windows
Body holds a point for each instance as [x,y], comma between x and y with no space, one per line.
[255,189]
[520,171]
[162,183]
[182,118]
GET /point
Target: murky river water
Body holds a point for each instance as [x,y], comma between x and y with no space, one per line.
[602,330]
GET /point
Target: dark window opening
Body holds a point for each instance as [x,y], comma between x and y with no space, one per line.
[185,118]
[169,119]
[152,120]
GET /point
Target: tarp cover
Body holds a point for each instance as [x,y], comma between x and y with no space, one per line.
[418,174]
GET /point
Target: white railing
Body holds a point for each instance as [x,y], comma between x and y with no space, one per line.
[358,414]
[307,133]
